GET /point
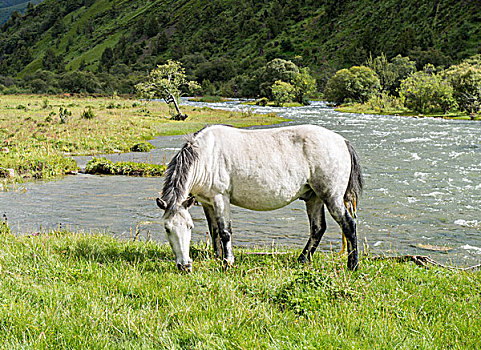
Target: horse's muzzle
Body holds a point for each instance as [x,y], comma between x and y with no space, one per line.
[186,267]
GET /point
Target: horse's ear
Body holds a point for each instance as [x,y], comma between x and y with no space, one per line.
[188,202]
[162,205]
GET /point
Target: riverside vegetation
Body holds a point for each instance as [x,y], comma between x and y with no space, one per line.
[394,86]
[66,290]
[106,46]
[39,133]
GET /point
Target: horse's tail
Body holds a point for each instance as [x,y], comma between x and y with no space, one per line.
[353,190]
[356,182]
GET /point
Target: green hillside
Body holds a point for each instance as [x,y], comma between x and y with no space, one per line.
[114,43]
[7,7]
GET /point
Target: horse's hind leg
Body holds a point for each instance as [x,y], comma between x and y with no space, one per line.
[317,223]
[340,213]
[213,229]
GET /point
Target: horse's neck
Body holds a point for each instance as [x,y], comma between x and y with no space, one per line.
[197,177]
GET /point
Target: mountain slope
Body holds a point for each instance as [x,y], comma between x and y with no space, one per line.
[222,39]
[7,7]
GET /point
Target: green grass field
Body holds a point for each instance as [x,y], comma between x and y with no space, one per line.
[67,290]
[38,133]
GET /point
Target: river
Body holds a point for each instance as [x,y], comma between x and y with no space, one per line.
[422,193]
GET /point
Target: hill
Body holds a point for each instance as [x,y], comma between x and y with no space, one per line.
[7,7]
[223,42]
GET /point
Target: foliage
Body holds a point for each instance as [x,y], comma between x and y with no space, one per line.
[391,73]
[384,102]
[64,290]
[262,101]
[166,82]
[141,147]
[4,228]
[426,92]
[276,70]
[465,79]
[226,42]
[88,113]
[282,92]
[107,167]
[357,83]
[304,84]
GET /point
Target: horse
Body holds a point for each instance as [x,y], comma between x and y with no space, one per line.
[261,169]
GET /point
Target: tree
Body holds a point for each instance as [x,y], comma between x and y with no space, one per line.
[357,83]
[465,78]
[107,58]
[304,84]
[166,82]
[391,73]
[277,69]
[282,92]
[425,92]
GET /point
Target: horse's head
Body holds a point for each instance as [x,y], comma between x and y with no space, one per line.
[178,226]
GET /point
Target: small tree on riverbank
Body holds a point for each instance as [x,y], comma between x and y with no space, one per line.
[356,84]
[427,92]
[167,82]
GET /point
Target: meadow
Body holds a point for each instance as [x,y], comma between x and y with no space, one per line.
[39,133]
[71,290]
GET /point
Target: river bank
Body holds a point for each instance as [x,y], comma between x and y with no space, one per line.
[65,290]
[38,134]
[365,108]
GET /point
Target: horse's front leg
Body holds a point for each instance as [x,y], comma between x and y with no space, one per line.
[222,217]
[213,229]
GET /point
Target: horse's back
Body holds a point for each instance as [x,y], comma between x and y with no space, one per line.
[266,169]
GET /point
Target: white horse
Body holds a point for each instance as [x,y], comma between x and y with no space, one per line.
[262,169]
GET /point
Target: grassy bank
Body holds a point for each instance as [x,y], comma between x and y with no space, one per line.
[37,133]
[66,290]
[365,108]
[104,166]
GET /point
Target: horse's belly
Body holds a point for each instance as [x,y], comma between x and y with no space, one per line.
[257,195]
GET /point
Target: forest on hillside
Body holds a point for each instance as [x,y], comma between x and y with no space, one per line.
[8,7]
[102,46]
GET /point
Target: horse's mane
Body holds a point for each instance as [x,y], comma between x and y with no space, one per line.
[177,172]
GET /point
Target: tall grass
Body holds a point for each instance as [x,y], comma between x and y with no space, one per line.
[68,290]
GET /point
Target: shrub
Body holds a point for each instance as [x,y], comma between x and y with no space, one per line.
[141,147]
[277,69]
[465,78]
[107,167]
[282,92]
[262,101]
[391,73]
[88,113]
[384,102]
[100,166]
[304,84]
[426,92]
[357,83]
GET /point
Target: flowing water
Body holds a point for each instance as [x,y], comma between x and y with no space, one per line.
[422,193]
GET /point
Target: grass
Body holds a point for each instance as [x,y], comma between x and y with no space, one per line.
[107,167]
[66,290]
[38,133]
[268,103]
[209,99]
[368,109]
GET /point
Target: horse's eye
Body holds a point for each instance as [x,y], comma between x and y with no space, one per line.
[167,231]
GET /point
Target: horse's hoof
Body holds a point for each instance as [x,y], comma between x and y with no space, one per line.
[185,268]
[228,264]
[352,265]
[302,259]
